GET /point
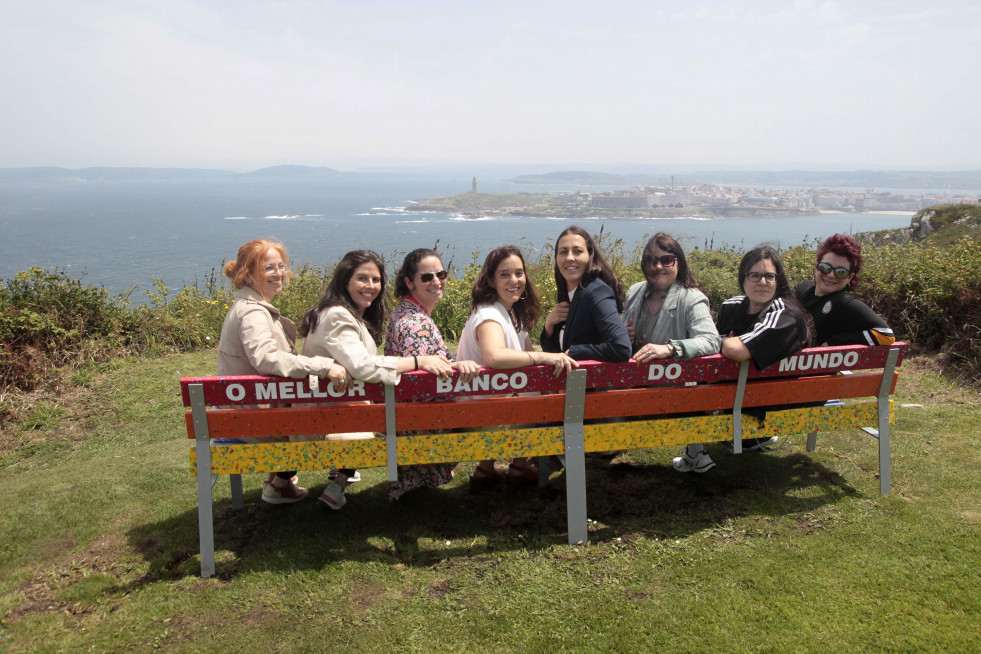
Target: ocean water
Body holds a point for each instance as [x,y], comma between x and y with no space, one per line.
[121,235]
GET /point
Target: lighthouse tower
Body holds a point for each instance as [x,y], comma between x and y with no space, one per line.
[473,185]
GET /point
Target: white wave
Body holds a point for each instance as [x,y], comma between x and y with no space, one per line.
[236,218]
[294,216]
[397,209]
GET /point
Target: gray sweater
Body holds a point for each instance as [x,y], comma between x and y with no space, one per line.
[684,319]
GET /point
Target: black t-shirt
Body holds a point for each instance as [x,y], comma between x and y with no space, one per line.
[842,319]
[775,332]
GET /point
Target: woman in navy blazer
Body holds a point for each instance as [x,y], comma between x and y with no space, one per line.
[585,323]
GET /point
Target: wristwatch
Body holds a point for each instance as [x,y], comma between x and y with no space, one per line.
[676,349]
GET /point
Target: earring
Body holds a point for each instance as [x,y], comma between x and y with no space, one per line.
[524,296]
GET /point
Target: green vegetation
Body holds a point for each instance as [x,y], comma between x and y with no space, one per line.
[789,551]
[53,326]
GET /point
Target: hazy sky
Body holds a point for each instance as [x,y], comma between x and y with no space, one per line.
[244,84]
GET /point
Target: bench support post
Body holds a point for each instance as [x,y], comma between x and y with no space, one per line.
[391,446]
[885,466]
[737,408]
[575,457]
[202,450]
[812,441]
[235,481]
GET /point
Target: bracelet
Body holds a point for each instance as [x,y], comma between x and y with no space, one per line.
[415,361]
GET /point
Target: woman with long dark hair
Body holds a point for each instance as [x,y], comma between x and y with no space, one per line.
[344,325]
[504,305]
[585,322]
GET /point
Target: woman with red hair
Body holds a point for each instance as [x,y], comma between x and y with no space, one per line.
[257,340]
[840,318]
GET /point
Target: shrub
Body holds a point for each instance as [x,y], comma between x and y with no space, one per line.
[930,297]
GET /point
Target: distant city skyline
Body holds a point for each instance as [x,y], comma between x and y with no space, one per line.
[820,85]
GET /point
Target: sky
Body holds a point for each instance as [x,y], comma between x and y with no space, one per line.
[244,84]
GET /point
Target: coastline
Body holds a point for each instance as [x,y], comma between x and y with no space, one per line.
[859,213]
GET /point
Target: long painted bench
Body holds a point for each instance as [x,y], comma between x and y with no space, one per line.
[666,402]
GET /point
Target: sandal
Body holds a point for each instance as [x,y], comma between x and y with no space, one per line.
[481,480]
[521,474]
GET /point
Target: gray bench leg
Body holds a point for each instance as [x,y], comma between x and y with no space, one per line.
[575,457]
[206,521]
[885,467]
[237,500]
[812,441]
[202,449]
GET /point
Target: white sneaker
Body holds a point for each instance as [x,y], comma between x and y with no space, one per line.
[333,496]
[286,495]
[701,463]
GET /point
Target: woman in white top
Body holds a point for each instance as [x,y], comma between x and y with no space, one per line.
[345,324]
[257,340]
[504,305]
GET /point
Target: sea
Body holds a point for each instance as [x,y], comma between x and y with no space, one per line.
[123,235]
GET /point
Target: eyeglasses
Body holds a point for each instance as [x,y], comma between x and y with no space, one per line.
[826,269]
[666,260]
[427,277]
[757,277]
[270,267]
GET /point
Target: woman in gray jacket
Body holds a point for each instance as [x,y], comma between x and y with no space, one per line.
[667,315]
[257,340]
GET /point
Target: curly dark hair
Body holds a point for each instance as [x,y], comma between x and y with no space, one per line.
[844,246]
[526,311]
[336,295]
[596,267]
[409,267]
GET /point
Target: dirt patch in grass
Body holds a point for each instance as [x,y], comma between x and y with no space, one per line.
[440,589]
[50,589]
[72,409]
[368,596]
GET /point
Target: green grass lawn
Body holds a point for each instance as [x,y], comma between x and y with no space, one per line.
[787,551]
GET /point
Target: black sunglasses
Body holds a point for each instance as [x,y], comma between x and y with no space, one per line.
[826,269]
[427,277]
[667,260]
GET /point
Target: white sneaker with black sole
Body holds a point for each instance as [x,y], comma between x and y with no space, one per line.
[700,463]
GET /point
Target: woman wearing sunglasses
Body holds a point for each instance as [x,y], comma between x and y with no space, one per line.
[667,315]
[840,318]
[764,324]
[344,325]
[585,322]
[411,332]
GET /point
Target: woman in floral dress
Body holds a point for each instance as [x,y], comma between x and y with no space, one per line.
[419,285]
